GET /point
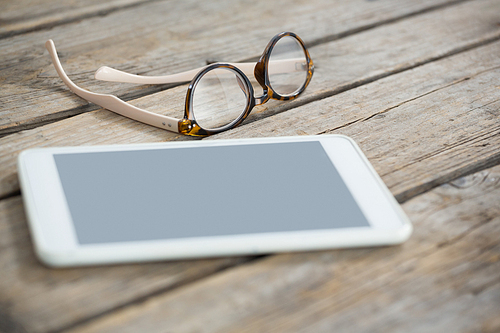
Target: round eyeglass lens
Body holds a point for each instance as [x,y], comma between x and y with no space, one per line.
[287,66]
[219,98]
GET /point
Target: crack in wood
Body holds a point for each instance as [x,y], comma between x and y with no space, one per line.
[479,136]
[347,33]
[391,108]
[461,172]
[188,282]
[305,100]
[346,87]
[431,92]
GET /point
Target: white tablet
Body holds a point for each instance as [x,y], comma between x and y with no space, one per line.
[129,203]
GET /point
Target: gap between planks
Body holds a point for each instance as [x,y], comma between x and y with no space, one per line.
[441,246]
[70,18]
[453,236]
[353,79]
[333,37]
[358,119]
[39,121]
[433,70]
[285,107]
[89,107]
[346,87]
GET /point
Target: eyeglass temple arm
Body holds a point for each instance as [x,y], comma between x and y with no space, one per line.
[106,73]
[111,102]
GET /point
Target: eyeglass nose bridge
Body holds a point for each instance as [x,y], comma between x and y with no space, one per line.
[257,100]
[263,98]
[260,76]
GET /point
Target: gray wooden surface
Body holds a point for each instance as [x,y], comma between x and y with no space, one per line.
[415,83]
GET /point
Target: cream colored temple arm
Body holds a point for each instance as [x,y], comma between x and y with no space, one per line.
[106,73]
[111,102]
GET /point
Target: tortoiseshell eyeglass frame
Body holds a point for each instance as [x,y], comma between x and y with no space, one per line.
[188,124]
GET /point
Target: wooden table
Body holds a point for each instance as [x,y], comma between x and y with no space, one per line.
[415,83]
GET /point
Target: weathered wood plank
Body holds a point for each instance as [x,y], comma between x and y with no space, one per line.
[23,16]
[439,121]
[445,278]
[463,65]
[48,295]
[156,39]
[410,42]
[42,299]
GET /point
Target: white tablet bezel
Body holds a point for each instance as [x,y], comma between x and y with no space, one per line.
[56,242]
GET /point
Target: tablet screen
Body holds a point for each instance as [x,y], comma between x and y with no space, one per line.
[174,193]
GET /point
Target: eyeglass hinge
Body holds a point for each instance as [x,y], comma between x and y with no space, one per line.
[185,126]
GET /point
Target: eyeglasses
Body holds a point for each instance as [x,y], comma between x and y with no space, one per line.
[220,96]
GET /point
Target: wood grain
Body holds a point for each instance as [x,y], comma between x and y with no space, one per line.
[447,87]
[157,40]
[411,42]
[479,65]
[23,16]
[439,121]
[44,299]
[445,278]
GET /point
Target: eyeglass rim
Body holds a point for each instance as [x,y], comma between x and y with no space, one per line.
[188,124]
[184,125]
[261,71]
[191,125]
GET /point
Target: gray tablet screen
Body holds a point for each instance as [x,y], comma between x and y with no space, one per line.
[210,191]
